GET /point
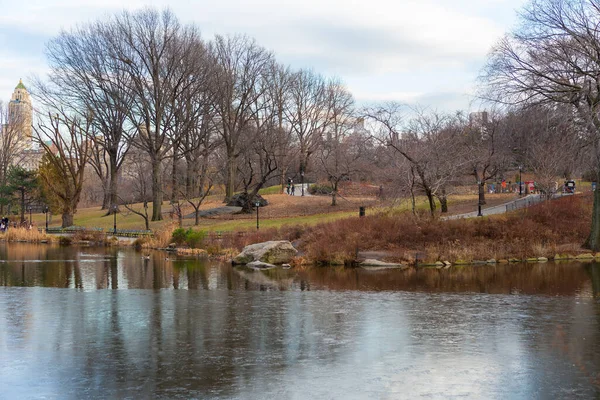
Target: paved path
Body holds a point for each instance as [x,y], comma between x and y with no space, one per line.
[298,189]
[211,212]
[524,202]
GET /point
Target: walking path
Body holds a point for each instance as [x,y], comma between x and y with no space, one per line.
[211,212]
[524,202]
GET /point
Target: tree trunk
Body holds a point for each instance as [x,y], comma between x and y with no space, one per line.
[482,193]
[23,205]
[67,219]
[197,217]
[189,178]
[113,184]
[282,180]
[105,198]
[230,186]
[431,201]
[174,181]
[443,201]
[593,241]
[334,195]
[157,194]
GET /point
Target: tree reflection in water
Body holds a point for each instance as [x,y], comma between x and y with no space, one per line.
[111,268]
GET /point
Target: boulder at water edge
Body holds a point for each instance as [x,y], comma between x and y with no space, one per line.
[260,265]
[273,252]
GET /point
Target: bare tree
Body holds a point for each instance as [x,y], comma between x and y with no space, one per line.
[100,163]
[241,64]
[552,57]
[308,113]
[158,56]
[258,163]
[280,82]
[341,151]
[137,184]
[87,79]
[428,142]
[485,147]
[64,139]
[547,141]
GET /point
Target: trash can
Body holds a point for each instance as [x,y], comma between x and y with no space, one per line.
[361,211]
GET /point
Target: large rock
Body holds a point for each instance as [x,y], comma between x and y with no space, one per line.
[273,252]
[243,200]
[260,265]
[376,264]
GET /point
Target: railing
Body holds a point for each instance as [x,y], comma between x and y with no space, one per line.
[217,235]
[530,201]
[110,232]
[129,233]
[72,229]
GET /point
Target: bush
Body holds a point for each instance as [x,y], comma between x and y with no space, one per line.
[190,237]
[194,238]
[179,236]
[320,188]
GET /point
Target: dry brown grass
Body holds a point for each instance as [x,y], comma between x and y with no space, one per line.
[25,235]
[161,239]
[92,236]
[537,231]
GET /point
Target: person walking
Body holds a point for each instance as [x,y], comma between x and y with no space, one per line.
[293,190]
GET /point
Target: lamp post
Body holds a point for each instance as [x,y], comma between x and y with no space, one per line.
[46,213]
[257,204]
[479,214]
[302,180]
[30,222]
[115,219]
[520,182]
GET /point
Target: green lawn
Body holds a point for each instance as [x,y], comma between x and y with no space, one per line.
[95,217]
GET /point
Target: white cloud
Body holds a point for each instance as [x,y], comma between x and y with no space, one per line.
[369,40]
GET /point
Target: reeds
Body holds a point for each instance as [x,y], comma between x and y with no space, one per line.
[25,235]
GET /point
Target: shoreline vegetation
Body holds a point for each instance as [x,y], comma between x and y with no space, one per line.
[552,230]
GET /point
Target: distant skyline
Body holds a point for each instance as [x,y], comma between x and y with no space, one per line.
[426,52]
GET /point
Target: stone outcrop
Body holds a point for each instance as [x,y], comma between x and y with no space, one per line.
[272,252]
[260,265]
[244,201]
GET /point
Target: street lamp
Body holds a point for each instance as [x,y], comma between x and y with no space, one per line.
[46,213]
[257,204]
[302,180]
[520,182]
[115,218]
[479,214]
[30,222]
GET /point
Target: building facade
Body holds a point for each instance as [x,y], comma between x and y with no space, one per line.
[20,113]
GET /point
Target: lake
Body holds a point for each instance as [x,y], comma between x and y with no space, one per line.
[80,322]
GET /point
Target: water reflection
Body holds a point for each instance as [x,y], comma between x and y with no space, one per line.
[211,344]
[298,333]
[109,268]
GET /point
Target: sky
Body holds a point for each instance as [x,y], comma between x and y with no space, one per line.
[422,52]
